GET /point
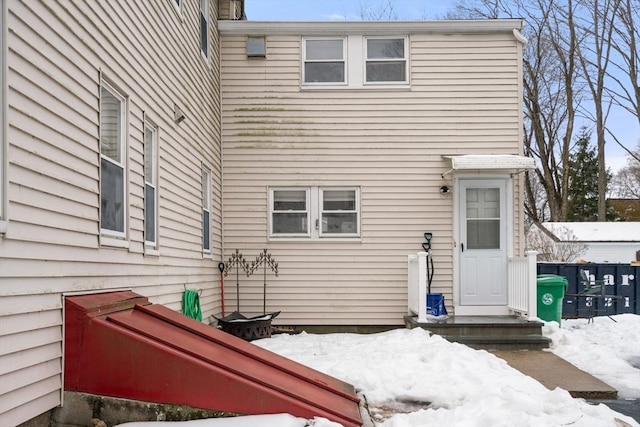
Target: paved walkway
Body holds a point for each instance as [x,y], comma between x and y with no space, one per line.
[553,371]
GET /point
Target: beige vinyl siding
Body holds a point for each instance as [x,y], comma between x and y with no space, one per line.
[56,53]
[463,99]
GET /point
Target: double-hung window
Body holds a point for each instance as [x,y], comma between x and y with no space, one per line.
[324,61]
[204,27]
[150,185]
[206,210]
[386,60]
[339,212]
[314,212]
[290,212]
[112,162]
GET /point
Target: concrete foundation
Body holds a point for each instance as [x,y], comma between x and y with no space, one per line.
[82,410]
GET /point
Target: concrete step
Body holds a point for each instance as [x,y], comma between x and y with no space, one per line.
[553,371]
[490,342]
[487,332]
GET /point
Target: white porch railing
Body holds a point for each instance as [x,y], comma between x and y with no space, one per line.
[522,287]
[417,286]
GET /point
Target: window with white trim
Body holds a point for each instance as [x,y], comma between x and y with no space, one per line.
[150,185]
[355,62]
[290,212]
[324,61]
[204,27]
[113,209]
[338,212]
[386,60]
[206,210]
[314,212]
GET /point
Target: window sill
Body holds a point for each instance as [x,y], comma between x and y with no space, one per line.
[113,242]
[384,87]
[148,251]
[316,240]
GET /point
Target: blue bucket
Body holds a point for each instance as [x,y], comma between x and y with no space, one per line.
[435,305]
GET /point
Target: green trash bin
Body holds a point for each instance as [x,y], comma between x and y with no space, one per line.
[551,288]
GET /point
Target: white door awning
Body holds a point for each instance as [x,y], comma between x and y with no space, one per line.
[489,162]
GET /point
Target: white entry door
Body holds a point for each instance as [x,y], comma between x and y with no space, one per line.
[482,248]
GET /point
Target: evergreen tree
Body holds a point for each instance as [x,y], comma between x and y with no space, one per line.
[583,180]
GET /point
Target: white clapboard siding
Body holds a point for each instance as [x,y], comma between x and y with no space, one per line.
[463,99]
[57,53]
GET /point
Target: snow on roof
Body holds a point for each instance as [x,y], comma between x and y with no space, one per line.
[595,231]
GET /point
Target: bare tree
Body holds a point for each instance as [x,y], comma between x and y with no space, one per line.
[578,51]
[626,91]
[551,93]
[626,183]
[597,23]
[561,247]
[383,11]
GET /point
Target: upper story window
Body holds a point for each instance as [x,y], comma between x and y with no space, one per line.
[324,61]
[355,62]
[204,27]
[150,185]
[386,60]
[314,212]
[112,161]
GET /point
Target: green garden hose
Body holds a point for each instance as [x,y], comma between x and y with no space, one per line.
[191,304]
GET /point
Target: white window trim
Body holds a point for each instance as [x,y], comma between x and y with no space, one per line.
[314,216]
[177,5]
[112,237]
[151,245]
[306,235]
[345,59]
[206,206]
[205,13]
[365,54]
[321,211]
[3,136]
[355,65]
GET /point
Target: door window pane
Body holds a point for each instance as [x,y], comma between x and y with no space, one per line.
[483,218]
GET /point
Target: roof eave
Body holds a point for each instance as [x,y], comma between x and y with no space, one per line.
[312,28]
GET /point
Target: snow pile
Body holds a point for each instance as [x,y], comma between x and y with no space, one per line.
[607,348]
[411,378]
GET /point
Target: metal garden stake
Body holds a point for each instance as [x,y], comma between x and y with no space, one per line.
[237,260]
[265,260]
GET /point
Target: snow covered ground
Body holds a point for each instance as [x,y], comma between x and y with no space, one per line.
[411,378]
